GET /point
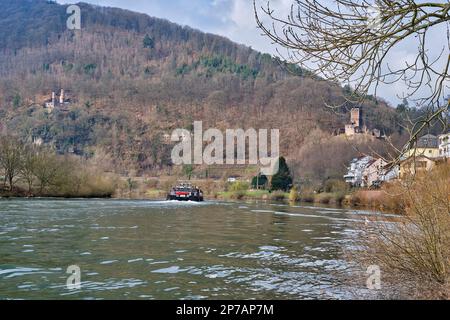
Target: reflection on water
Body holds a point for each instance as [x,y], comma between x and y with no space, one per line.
[172,250]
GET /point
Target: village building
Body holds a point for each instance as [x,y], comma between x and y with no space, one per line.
[444,145]
[373,172]
[355,173]
[390,173]
[367,172]
[417,164]
[426,146]
[428,152]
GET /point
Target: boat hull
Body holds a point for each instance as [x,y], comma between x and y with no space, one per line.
[180,198]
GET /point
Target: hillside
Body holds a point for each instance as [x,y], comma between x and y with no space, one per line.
[131,78]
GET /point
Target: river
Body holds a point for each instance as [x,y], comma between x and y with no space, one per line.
[171,250]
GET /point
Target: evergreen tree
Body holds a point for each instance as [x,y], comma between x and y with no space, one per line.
[283,179]
[148,42]
[259,181]
[17,100]
[188,170]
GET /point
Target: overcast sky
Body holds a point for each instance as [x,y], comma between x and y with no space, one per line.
[235,19]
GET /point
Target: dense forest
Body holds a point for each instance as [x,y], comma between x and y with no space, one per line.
[131,78]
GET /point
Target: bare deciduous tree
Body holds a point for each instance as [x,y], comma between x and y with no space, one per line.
[28,167]
[350,41]
[46,170]
[10,159]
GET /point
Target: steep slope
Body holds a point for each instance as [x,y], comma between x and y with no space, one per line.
[131,78]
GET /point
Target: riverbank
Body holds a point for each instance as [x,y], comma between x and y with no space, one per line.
[376,200]
[22,193]
[379,200]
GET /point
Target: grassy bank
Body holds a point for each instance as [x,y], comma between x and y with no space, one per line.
[104,189]
[380,200]
[383,199]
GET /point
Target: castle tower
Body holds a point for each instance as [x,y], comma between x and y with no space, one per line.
[355,117]
[61,97]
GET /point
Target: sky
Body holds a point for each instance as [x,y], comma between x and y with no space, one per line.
[235,20]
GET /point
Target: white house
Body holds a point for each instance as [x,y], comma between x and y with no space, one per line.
[391,174]
[373,172]
[444,145]
[366,171]
[356,169]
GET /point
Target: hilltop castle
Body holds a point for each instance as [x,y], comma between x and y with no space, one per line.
[61,102]
[356,125]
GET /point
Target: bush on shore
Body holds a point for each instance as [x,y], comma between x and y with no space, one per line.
[36,171]
[310,195]
[278,196]
[414,252]
[383,200]
[238,189]
[294,195]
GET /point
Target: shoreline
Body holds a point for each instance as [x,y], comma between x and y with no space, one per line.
[348,204]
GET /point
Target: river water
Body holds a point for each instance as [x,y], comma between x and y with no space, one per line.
[171,250]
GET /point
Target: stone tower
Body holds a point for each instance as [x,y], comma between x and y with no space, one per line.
[61,97]
[355,118]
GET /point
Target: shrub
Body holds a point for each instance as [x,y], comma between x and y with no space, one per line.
[259,181]
[278,196]
[414,252]
[338,198]
[294,195]
[168,183]
[239,186]
[355,199]
[238,194]
[151,183]
[335,185]
[307,195]
[324,198]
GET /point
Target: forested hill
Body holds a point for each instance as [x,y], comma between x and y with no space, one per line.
[130,78]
